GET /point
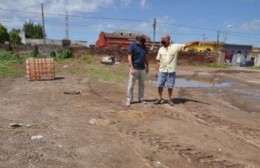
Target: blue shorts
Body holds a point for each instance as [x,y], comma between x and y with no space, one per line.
[166,79]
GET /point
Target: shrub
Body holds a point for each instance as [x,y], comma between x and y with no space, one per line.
[35,52]
[87,59]
[66,43]
[53,54]
[65,54]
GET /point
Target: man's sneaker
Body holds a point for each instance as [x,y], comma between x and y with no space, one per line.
[158,101]
[170,103]
[128,103]
[143,101]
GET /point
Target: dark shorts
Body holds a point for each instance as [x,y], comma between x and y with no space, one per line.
[166,79]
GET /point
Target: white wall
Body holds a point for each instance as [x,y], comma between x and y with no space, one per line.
[257,60]
[48,41]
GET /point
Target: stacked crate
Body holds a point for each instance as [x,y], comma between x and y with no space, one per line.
[40,69]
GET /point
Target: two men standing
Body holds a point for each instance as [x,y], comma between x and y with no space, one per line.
[165,67]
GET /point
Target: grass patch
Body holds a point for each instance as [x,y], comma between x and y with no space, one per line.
[110,73]
[88,59]
[71,152]
[11,64]
[90,66]
[150,158]
[215,65]
[256,68]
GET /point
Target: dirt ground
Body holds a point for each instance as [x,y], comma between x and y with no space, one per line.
[90,127]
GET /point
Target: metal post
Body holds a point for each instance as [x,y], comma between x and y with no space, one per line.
[154,29]
[43,26]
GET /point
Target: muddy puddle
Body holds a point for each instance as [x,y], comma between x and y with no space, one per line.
[182,82]
[197,83]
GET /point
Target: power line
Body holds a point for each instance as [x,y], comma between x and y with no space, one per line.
[132,20]
[80,16]
[230,33]
[188,26]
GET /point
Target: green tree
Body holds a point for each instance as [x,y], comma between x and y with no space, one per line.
[4,36]
[32,30]
[14,36]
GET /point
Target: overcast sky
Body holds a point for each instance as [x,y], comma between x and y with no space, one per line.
[238,21]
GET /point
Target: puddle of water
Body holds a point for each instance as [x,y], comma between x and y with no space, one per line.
[254,92]
[182,82]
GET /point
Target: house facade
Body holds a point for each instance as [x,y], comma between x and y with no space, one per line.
[206,46]
[237,53]
[121,40]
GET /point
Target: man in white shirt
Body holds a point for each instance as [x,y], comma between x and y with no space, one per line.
[166,66]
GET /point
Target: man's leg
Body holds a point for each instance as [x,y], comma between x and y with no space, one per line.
[141,79]
[160,84]
[160,92]
[170,93]
[159,99]
[170,84]
[130,89]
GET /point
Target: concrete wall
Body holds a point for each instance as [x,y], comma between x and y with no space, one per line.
[49,41]
[257,60]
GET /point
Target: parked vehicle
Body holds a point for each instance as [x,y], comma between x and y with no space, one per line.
[247,63]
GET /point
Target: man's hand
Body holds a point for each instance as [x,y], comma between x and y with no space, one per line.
[132,71]
[147,70]
[156,74]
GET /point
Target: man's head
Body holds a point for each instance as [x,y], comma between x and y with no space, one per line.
[140,39]
[166,40]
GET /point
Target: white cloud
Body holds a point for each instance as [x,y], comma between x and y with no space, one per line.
[143,3]
[145,26]
[229,26]
[184,30]
[125,3]
[163,23]
[252,26]
[15,13]
[58,6]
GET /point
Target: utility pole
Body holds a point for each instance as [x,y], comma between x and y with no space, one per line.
[67,26]
[43,26]
[154,29]
[217,40]
[203,40]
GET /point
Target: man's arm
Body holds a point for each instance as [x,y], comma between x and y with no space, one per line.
[146,64]
[132,70]
[157,68]
[186,45]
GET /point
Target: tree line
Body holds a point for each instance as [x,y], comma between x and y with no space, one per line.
[30,29]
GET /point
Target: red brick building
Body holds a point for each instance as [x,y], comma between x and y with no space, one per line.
[120,40]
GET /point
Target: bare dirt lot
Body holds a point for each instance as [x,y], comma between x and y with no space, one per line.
[209,127]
